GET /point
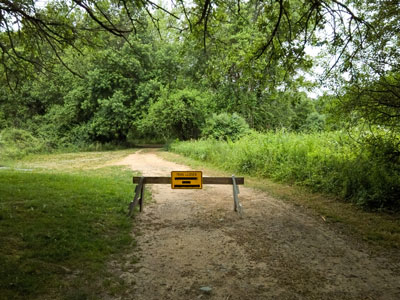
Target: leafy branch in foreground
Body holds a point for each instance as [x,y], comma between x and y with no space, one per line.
[287,26]
[33,35]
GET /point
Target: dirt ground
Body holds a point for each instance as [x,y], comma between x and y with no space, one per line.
[193,246]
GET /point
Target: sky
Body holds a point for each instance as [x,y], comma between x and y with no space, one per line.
[41,3]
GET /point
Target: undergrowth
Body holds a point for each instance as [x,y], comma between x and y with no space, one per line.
[331,162]
[19,143]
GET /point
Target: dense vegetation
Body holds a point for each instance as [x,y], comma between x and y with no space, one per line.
[76,74]
[331,162]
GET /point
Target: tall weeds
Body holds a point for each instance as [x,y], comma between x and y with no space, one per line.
[330,162]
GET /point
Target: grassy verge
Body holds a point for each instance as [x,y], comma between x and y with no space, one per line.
[61,221]
[367,174]
[378,229]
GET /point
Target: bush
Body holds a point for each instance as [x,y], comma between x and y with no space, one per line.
[112,119]
[331,162]
[16,143]
[3,121]
[314,122]
[176,114]
[225,127]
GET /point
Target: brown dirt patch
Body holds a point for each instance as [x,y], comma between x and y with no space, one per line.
[189,239]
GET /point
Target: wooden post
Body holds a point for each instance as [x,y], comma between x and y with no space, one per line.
[141,198]
[138,192]
[236,205]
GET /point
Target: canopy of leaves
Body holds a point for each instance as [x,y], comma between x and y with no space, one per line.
[80,71]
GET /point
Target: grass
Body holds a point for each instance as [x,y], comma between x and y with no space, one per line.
[365,173]
[67,162]
[380,230]
[61,223]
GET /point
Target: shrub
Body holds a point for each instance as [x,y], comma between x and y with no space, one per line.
[111,121]
[3,121]
[225,127]
[314,122]
[15,143]
[367,174]
[176,114]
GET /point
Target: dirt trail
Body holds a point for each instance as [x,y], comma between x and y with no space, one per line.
[192,239]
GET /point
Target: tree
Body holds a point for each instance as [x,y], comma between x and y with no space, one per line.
[177,114]
[35,35]
[249,57]
[371,90]
[285,26]
[225,127]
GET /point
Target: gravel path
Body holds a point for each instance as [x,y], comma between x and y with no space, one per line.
[193,246]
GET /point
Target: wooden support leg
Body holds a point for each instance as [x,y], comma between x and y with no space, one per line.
[141,198]
[138,192]
[234,194]
[236,205]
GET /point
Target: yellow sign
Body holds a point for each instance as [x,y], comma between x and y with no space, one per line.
[186,179]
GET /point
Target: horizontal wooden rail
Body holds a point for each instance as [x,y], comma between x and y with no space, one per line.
[142,181]
[206,180]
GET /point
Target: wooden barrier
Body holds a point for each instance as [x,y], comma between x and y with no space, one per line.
[142,181]
[206,180]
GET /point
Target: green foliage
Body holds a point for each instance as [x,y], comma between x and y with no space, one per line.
[373,101]
[276,113]
[314,122]
[111,121]
[177,113]
[161,84]
[3,121]
[328,162]
[225,127]
[302,108]
[138,87]
[15,143]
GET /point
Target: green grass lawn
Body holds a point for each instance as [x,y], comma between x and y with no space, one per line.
[60,226]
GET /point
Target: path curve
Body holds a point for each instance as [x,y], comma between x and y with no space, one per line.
[191,241]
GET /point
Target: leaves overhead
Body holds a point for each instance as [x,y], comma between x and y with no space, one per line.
[284,28]
[248,57]
[30,33]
